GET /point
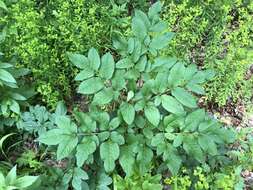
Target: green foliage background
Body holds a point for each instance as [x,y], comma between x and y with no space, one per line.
[137,124]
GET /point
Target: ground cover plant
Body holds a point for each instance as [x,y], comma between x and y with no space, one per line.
[131,115]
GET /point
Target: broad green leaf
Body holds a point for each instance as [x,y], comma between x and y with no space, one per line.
[11,176]
[52,137]
[141,64]
[109,152]
[66,146]
[78,60]
[159,27]
[107,66]
[160,42]
[178,140]
[25,181]
[144,158]
[167,62]
[117,138]
[172,105]
[86,73]
[83,150]
[176,75]
[184,97]
[130,45]
[139,29]
[3,6]
[78,176]
[195,88]
[152,114]
[174,163]
[64,123]
[90,86]
[142,16]
[157,139]
[114,123]
[103,97]
[5,65]
[127,160]
[193,120]
[6,76]
[128,112]
[61,108]
[94,58]
[124,63]
[17,96]
[155,9]
[15,107]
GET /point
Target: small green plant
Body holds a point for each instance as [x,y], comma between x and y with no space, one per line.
[11,181]
[13,92]
[141,107]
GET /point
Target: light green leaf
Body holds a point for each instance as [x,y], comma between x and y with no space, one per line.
[152,114]
[25,181]
[117,138]
[52,137]
[64,123]
[6,76]
[155,9]
[124,64]
[15,107]
[142,16]
[176,75]
[3,6]
[94,58]
[107,66]
[178,140]
[11,176]
[78,60]
[161,41]
[184,97]
[127,159]
[138,27]
[90,86]
[128,112]
[66,146]
[172,105]
[195,88]
[87,72]
[83,150]
[103,97]
[78,176]
[109,152]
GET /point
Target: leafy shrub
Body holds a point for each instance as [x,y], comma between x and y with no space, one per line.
[140,109]
[40,33]
[217,35]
